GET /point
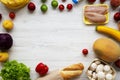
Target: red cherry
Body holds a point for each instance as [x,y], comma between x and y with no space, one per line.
[0,16]
[117,16]
[85,51]
[12,15]
[61,7]
[117,63]
[31,6]
[102,1]
[69,6]
[91,1]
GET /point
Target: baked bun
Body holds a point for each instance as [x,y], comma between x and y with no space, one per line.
[72,71]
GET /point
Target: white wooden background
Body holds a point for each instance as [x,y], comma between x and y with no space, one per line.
[54,38]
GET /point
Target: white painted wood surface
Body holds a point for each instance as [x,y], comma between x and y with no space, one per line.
[54,38]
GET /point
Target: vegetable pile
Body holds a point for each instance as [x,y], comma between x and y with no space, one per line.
[13,70]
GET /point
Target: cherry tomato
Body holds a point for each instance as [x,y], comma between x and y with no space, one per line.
[69,6]
[85,51]
[12,15]
[31,6]
[61,7]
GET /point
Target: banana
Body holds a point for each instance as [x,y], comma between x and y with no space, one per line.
[14,4]
[109,31]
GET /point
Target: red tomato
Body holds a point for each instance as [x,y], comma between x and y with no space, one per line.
[12,15]
[61,7]
[85,51]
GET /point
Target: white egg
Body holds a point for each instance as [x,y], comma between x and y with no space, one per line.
[106,68]
[99,67]
[101,75]
[93,66]
[97,62]
[89,72]
[109,77]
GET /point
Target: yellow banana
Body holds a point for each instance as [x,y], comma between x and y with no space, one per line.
[109,31]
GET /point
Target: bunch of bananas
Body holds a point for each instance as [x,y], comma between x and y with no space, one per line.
[14,4]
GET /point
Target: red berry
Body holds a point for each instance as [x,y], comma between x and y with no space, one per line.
[31,6]
[0,16]
[42,69]
[102,1]
[91,1]
[61,7]
[85,51]
[117,63]
[69,6]
[12,15]
[117,16]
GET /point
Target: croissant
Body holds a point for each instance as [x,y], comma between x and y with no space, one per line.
[66,73]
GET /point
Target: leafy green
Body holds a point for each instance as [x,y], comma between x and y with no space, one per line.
[12,70]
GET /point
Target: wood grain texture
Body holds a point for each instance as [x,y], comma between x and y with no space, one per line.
[54,38]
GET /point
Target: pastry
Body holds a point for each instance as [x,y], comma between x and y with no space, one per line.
[65,73]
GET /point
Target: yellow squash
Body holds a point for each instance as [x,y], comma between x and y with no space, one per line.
[109,31]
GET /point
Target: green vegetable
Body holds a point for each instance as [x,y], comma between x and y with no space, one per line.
[54,4]
[12,70]
[44,8]
[43,1]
